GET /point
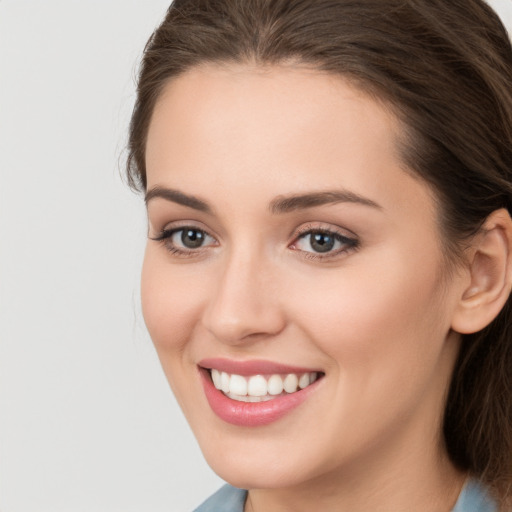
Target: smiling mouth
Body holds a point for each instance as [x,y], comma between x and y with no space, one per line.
[261,388]
[256,393]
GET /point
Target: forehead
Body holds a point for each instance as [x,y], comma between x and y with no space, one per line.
[248,97]
[281,129]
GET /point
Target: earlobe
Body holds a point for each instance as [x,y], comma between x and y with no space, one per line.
[490,275]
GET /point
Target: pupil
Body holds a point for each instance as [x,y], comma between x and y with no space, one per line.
[192,238]
[322,242]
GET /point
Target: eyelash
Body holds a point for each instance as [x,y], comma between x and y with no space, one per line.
[165,237]
[349,244]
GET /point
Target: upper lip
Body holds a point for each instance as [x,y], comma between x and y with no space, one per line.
[252,367]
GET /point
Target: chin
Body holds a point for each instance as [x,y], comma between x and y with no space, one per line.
[254,473]
[265,463]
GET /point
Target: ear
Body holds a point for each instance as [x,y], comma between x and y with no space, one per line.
[489,275]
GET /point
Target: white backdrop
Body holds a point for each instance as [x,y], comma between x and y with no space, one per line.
[87,422]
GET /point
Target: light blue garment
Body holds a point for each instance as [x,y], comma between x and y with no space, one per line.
[473,498]
[226,499]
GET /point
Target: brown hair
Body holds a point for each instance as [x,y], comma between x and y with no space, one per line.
[445,67]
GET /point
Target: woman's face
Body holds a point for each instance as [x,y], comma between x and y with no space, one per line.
[286,240]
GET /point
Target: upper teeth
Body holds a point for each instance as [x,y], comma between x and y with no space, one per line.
[259,386]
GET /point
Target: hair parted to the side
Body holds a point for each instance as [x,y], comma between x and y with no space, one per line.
[445,67]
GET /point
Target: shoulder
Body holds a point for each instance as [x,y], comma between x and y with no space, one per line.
[226,499]
[475,498]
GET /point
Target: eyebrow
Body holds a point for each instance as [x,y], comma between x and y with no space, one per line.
[285,204]
[178,197]
[280,205]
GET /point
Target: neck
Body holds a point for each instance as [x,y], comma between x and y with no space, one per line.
[400,495]
[399,479]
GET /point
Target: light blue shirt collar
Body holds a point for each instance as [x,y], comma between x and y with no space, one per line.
[473,498]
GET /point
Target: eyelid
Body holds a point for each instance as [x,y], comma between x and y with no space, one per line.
[166,234]
[169,232]
[325,228]
[348,238]
[179,224]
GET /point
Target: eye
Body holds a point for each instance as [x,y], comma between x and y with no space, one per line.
[189,238]
[320,242]
[185,240]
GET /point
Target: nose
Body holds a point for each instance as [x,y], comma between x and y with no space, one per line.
[244,305]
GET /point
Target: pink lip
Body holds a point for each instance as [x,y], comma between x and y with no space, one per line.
[253,367]
[252,414]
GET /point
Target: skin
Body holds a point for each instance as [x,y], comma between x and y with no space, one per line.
[375,318]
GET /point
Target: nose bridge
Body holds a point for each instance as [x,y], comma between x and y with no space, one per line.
[244,302]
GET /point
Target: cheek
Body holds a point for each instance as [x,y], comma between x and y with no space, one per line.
[383,333]
[171,301]
[373,318]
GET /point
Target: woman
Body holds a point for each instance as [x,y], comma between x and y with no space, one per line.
[328,266]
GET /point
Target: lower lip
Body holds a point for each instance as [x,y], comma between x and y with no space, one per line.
[252,414]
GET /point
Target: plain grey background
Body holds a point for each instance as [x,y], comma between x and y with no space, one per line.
[87,422]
